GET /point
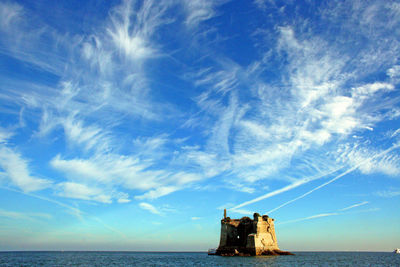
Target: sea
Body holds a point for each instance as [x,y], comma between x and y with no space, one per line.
[191,259]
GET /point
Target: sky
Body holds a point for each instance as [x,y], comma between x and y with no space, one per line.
[131,125]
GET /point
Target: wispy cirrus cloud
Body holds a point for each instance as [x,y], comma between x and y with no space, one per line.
[24,215]
[10,14]
[313,106]
[394,192]
[149,207]
[5,135]
[16,171]
[89,103]
[158,192]
[118,173]
[28,43]
[110,82]
[280,114]
[355,154]
[107,172]
[198,11]
[84,192]
[353,168]
[131,30]
[305,122]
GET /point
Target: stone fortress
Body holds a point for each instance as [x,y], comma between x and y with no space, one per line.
[248,237]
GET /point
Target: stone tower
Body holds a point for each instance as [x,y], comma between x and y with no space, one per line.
[248,237]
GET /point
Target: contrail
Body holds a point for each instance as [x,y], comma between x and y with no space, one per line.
[75,211]
[337,177]
[284,189]
[325,215]
[315,189]
[306,180]
[312,217]
[354,206]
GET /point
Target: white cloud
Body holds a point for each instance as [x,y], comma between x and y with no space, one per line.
[17,171]
[341,118]
[313,109]
[258,130]
[84,192]
[122,197]
[394,72]
[149,207]
[207,163]
[158,192]
[109,170]
[372,88]
[388,193]
[132,29]
[195,218]
[288,40]
[198,11]
[221,81]
[353,155]
[245,189]
[89,137]
[241,211]
[10,13]
[275,138]
[114,171]
[127,171]
[263,4]
[87,169]
[100,86]
[23,35]
[5,135]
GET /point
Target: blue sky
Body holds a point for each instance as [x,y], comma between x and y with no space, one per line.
[131,125]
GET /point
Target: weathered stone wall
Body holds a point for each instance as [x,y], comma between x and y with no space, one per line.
[265,237]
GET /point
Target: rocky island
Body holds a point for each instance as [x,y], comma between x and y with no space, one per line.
[248,237]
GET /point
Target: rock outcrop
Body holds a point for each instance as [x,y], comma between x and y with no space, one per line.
[248,237]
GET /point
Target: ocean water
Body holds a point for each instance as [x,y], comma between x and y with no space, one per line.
[195,259]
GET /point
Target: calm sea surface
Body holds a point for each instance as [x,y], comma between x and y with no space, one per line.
[195,259]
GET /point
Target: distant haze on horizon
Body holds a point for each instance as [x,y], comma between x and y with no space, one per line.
[131,125]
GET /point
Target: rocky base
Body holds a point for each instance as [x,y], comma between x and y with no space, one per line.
[247,253]
[276,252]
